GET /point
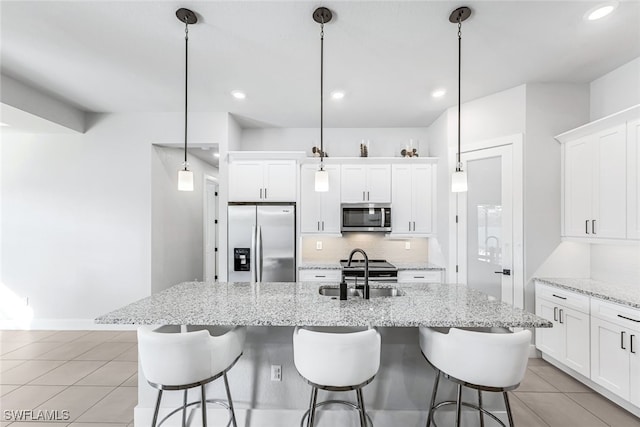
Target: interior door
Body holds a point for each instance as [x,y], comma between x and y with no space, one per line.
[485,214]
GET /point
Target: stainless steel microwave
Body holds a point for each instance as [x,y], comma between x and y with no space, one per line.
[366,217]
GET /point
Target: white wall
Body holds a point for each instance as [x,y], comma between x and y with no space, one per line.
[616,90]
[618,264]
[338,142]
[550,109]
[76,219]
[177,223]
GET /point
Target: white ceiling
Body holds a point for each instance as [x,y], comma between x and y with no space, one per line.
[121,56]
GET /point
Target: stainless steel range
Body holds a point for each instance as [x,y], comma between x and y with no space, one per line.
[379,271]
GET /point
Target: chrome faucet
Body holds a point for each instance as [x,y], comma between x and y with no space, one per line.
[365,293]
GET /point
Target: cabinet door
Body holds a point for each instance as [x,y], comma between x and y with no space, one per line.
[578,187]
[310,200]
[402,211]
[610,183]
[634,368]
[576,340]
[354,183]
[379,183]
[246,181]
[330,221]
[280,181]
[633,179]
[609,361]
[549,340]
[422,190]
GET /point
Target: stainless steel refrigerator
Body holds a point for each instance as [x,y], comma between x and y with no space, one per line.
[262,242]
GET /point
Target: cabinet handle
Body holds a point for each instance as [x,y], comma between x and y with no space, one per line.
[261,193]
[586,226]
[318,225]
[558,296]
[555,314]
[409,225]
[632,337]
[265,193]
[317,275]
[322,225]
[418,277]
[593,226]
[368,196]
[628,318]
[414,226]
[622,340]
[560,316]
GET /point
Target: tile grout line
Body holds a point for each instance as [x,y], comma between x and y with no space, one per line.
[529,408]
[587,409]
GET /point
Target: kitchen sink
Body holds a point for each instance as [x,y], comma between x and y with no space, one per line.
[334,291]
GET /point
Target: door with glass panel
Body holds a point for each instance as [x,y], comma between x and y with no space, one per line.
[485,223]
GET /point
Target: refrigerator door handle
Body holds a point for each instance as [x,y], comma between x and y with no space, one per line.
[259,254]
[253,254]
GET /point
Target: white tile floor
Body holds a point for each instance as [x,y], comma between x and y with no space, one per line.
[93,375]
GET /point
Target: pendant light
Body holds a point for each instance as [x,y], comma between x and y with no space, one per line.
[185,176]
[459,177]
[322,15]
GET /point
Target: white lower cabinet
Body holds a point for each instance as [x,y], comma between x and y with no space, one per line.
[615,363]
[419,276]
[320,275]
[568,340]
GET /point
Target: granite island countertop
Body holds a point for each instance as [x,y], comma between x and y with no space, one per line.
[300,304]
[619,293]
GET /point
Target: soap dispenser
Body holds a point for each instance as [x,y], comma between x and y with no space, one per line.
[343,290]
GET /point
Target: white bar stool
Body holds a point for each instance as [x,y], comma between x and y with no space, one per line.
[483,361]
[336,361]
[180,361]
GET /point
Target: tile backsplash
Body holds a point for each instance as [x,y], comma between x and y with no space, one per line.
[376,245]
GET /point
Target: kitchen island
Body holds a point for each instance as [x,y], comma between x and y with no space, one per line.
[399,393]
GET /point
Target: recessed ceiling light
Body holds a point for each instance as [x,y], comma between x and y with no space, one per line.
[337,95]
[438,93]
[238,94]
[601,11]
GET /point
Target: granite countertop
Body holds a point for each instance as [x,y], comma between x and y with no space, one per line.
[297,303]
[618,293]
[400,265]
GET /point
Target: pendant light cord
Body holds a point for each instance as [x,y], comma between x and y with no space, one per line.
[322,94]
[459,164]
[186,80]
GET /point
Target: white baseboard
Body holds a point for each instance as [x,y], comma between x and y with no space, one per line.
[291,417]
[63,325]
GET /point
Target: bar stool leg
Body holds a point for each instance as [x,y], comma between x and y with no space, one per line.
[459,406]
[506,404]
[184,409]
[480,406]
[433,397]
[312,407]
[233,412]
[155,413]
[204,406]
[363,419]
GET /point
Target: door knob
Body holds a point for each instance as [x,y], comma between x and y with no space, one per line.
[506,272]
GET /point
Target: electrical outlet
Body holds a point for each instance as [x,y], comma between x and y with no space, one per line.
[276,372]
[407,245]
[319,245]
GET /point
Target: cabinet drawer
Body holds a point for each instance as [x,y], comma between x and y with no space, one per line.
[563,297]
[419,276]
[320,275]
[620,315]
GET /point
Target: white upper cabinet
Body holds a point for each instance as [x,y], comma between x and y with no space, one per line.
[413,201]
[600,176]
[262,181]
[633,172]
[366,183]
[320,211]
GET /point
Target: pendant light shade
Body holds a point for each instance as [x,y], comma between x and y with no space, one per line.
[459,177]
[185,180]
[185,176]
[322,180]
[322,15]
